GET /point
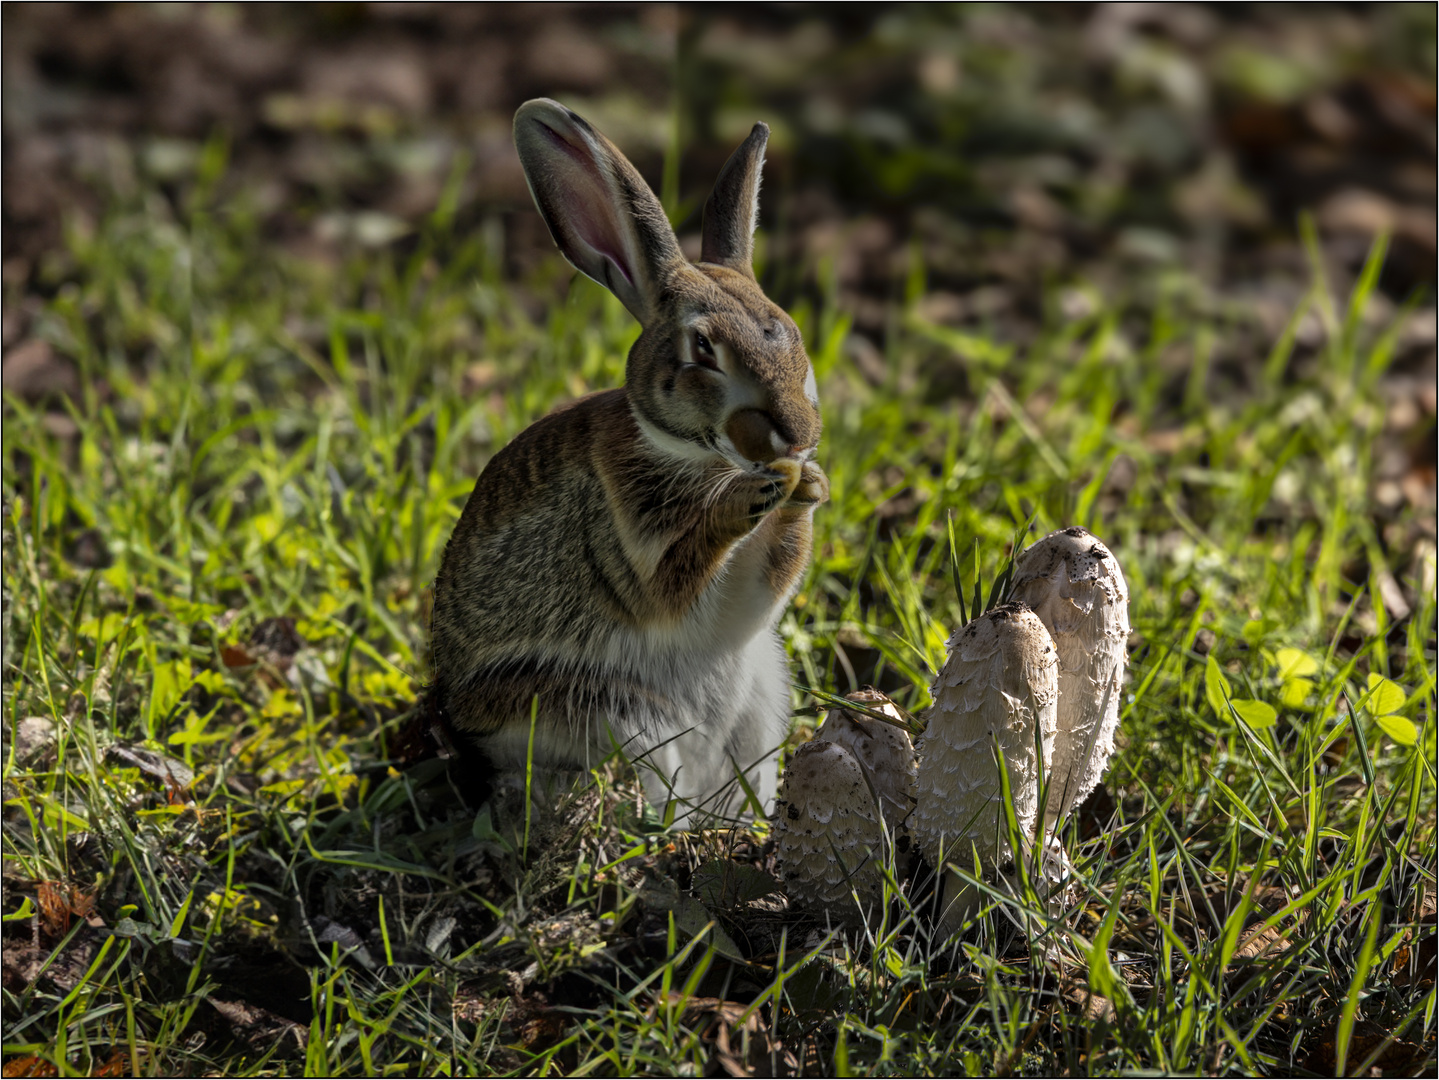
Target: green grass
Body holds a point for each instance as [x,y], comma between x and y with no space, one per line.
[257,438]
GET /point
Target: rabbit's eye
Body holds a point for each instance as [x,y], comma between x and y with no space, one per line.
[704,352]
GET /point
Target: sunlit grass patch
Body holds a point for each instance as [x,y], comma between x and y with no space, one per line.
[216,558]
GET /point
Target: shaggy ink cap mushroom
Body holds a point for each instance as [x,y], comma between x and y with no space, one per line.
[827,833]
[1075,586]
[998,687]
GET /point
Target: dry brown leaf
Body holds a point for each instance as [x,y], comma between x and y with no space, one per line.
[235,656]
[59,904]
[1093,1007]
[33,370]
[1262,942]
[1415,959]
[29,1065]
[813,1056]
[117,1064]
[542,1031]
[742,1045]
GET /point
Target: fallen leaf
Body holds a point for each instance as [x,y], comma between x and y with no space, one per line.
[1095,1008]
[543,1031]
[59,904]
[171,772]
[236,656]
[29,1065]
[741,1043]
[117,1064]
[1262,942]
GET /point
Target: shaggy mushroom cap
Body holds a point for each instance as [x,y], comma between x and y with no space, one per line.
[1074,584]
[998,685]
[827,833]
[884,751]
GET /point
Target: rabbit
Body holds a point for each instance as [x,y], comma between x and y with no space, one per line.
[622,563]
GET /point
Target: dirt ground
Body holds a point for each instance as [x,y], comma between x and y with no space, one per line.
[1012,146]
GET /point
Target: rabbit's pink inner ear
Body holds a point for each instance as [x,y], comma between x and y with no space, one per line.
[585,213]
[600,211]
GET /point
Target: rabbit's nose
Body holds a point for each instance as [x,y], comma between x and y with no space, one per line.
[783,441]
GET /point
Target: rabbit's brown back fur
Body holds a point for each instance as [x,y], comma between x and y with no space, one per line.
[621,563]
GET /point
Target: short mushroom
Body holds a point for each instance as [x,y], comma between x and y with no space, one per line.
[827,833]
[883,750]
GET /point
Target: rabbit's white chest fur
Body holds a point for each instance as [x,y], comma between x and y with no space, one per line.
[725,660]
[721,685]
[733,709]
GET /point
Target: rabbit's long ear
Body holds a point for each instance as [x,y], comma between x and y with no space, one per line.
[732,211]
[602,214]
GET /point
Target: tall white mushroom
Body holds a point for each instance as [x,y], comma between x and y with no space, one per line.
[827,833]
[883,750]
[1000,685]
[1074,584]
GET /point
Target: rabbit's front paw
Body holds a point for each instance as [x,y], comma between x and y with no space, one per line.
[812,489]
[770,488]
